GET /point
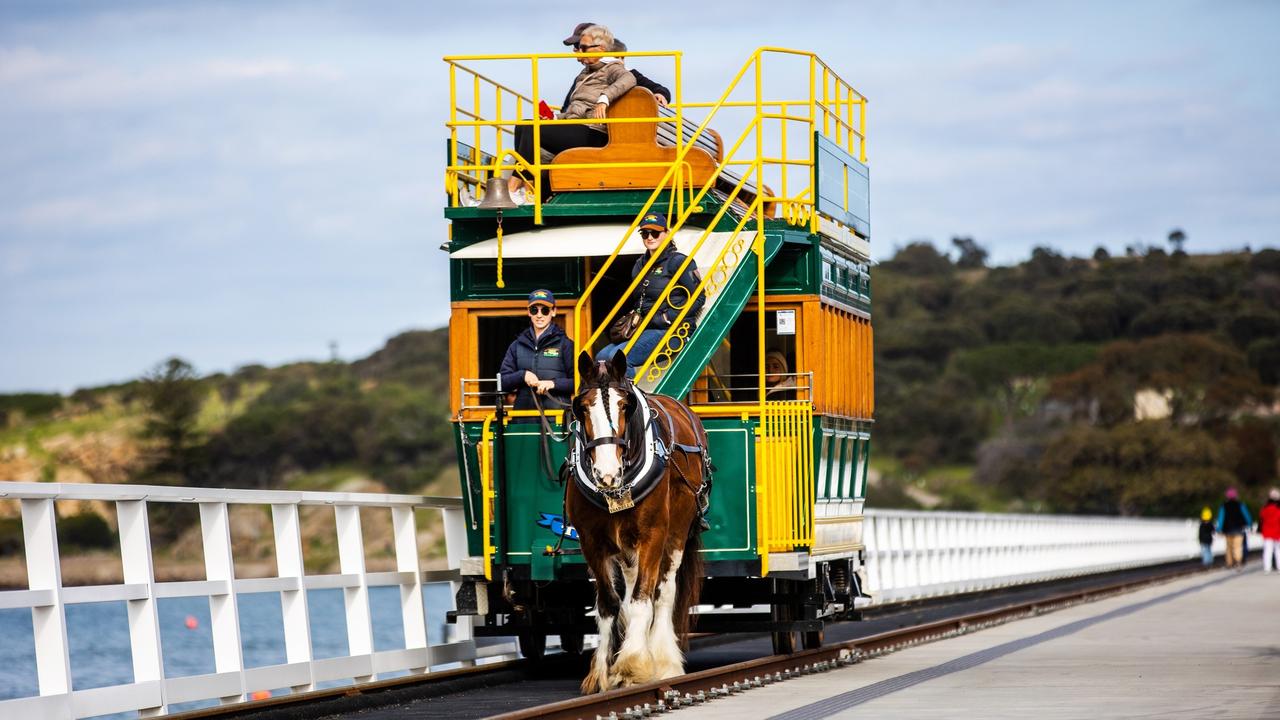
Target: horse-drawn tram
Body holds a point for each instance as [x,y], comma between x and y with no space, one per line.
[722,437]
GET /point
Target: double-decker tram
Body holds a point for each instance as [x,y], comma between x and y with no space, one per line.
[766,189]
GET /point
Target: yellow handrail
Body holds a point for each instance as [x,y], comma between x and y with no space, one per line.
[484,459]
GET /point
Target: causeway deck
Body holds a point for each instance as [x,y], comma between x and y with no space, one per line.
[1204,645]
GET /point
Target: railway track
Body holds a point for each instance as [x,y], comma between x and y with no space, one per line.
[720,665]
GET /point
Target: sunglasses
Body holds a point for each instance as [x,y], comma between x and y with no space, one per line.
[583,48]
[647,234]
[539,309]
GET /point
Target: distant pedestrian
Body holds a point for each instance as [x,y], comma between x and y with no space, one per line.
[1233,523]
[1206,537]
[1269,526]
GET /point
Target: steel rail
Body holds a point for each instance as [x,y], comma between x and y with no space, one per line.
[695,688]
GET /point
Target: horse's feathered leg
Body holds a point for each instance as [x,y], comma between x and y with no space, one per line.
[607,607]
[668,661]
[634,663]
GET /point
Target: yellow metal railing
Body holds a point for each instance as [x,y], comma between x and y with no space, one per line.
[830,105]
[784,479]
[484,458]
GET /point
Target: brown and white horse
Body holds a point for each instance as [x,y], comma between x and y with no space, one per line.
[644,558]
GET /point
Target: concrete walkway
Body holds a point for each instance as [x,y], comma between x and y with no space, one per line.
[1205,646]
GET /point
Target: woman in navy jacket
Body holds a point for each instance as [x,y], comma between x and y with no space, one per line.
[540,359]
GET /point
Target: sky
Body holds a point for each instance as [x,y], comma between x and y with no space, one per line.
[248,182]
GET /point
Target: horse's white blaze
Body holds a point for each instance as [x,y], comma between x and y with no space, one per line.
[605,458]
[668,661]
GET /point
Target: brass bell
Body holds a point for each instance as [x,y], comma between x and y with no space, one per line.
[496,195]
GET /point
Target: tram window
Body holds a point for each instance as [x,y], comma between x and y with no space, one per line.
[744,358]
[494,333]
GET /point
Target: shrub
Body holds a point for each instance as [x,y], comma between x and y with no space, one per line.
[86,530]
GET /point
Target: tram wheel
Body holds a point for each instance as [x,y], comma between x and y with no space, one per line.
[784,643]
[533,645]
[571,643]
[812,639]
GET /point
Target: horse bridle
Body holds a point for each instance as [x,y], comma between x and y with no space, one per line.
[626,390]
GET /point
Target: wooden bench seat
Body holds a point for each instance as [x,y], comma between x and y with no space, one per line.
[646,142]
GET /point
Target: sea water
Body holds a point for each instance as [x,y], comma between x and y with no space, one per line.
[98,635]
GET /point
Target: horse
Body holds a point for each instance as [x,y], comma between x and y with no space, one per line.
[640,470]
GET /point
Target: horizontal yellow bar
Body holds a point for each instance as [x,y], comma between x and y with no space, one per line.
[783,161]
[782,116]
[491,81]
[564,121]
[455,59]
[562,166]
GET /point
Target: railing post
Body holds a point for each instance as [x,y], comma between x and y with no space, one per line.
[356,598]
[144,620]
[224,616]
[455,548]
[412,611]
[49,622]
[293,603]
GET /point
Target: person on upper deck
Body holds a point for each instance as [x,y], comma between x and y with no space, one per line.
[659,91]
[653,231]
[540,359]
[602,81]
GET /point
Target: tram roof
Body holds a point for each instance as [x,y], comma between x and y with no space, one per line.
[595,239]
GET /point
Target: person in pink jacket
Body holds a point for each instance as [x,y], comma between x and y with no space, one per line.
[1269,526]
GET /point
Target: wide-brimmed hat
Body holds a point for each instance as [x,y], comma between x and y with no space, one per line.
[576,35]
[542,297]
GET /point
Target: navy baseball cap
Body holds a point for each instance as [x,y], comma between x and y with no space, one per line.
[577,33]
[542,296]
[654,221]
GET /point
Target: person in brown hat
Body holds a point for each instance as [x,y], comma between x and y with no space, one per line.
[602,81]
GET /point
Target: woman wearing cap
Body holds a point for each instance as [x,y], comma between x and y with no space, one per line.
[602,81]
[540,359]
[653,231]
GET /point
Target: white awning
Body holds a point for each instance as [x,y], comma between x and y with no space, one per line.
[573,241]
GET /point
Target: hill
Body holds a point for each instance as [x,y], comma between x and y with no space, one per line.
[377,424]
[1143,384]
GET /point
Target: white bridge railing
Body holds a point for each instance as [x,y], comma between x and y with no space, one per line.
[909,555]
[920,554]
[152,692]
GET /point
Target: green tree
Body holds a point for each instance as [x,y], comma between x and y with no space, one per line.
[920,258]
[1147,468]
[971,254]
[171,392]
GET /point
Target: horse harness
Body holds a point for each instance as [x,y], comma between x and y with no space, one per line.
[646,451]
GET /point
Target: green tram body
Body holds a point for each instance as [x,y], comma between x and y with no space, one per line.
[536,587]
